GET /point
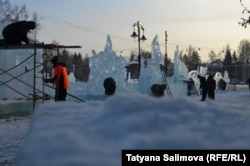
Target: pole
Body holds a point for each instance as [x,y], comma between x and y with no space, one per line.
[236,76]
[34,79]
[139,47]
[166,54]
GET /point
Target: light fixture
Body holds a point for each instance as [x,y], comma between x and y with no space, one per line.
[143,38]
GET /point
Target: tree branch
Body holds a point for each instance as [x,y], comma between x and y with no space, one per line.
[244,21]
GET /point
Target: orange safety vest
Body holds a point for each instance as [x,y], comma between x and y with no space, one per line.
[61,75]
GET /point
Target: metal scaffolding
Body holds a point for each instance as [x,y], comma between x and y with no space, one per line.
[37,94]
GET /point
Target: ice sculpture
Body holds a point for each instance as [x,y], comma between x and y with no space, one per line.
[151,74]
[226,77]
[72,77]
[180,69]
[105,64]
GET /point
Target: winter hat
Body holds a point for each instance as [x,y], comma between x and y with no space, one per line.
[109,85]
[31,24]
[54,60]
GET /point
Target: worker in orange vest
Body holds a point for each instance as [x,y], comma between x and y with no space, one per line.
[60,80]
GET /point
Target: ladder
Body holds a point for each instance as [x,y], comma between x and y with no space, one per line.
[191,88]
[39,94]
[164,79]
[194,88]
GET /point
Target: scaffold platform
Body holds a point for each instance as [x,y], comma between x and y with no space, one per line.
[39,46]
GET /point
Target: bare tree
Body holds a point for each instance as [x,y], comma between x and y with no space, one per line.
[4,10]
[244,21]
[12,13]
[244,58]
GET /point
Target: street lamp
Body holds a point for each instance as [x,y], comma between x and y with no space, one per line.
[143,38]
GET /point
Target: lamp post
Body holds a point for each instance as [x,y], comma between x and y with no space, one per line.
[143,38]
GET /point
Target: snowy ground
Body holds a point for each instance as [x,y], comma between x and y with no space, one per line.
[13,131]
[94,133]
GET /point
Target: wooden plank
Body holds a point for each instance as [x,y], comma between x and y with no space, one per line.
[54,46]
[18,47]
[39,46]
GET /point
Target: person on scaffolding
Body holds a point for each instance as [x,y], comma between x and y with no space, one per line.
[16,33]
[60,80]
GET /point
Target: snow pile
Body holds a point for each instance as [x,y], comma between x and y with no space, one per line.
[94,133]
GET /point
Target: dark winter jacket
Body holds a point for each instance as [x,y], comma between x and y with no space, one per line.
[211,83]
[222,84]
[109,85]
[203,82]
[248,82]
[16,32]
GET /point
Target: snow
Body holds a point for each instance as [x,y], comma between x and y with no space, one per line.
[95,132]
[12,135]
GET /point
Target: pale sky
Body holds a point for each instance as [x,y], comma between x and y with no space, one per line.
[205,24]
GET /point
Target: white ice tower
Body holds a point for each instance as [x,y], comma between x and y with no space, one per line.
[176,84]
[106,64]
[180,69]
[151,74]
